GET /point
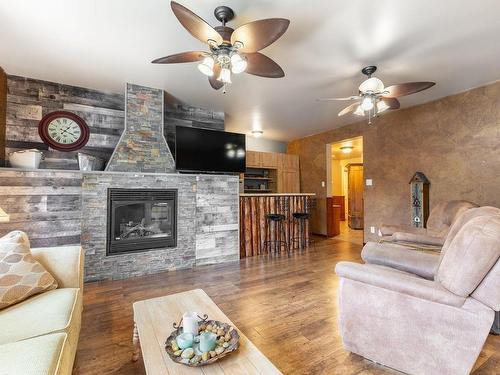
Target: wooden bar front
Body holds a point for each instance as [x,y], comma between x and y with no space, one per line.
[253,211]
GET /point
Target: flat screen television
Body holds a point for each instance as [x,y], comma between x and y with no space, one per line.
[202,150]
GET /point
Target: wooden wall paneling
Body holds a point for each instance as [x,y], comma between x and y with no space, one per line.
[333,212]
[340,200]
[41,205]
[3,113]
[29,99]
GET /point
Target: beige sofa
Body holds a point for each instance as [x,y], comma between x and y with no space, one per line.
[39,335]
[426,325]
[441,218]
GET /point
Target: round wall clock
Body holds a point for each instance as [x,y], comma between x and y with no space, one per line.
[63,131]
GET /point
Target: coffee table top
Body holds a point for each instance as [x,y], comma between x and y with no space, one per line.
[154,318]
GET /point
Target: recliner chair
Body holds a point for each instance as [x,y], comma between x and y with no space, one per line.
[422,263]
[441,218]
[423,326]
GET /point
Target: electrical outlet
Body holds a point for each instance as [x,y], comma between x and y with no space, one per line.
[369,182]
[372,230]
[323,184]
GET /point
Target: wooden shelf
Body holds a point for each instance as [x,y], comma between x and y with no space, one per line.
[255,190]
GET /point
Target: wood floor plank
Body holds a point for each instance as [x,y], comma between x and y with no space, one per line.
[287,306]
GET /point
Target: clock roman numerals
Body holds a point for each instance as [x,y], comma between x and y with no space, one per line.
[63,131]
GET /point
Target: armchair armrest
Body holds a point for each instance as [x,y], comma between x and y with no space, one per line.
[418,238]
[396,256]
[388,230]
[65,263]
[399,282]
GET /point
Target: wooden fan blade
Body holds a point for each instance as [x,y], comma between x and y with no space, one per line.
[263,66]
[183,57]
[216,84]
[349,109]
[393,103]
[259,34]
[196,26]
[408,88]
[334,99]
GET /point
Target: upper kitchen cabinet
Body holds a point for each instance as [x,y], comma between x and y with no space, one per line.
[258,159]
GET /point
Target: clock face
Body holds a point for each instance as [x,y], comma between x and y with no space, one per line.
[64,130]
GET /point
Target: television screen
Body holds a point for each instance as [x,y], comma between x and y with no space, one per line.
[202,150]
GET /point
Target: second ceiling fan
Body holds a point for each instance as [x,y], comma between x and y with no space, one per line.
[374,98]
[231,51]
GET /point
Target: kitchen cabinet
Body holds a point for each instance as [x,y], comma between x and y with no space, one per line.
[281,170]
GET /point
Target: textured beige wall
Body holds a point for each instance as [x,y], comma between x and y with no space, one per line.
[455,141]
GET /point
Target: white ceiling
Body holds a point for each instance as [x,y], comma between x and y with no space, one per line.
[102,44]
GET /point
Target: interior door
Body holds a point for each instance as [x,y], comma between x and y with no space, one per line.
[355,195]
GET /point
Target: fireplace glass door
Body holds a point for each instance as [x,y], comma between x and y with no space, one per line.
[141,219]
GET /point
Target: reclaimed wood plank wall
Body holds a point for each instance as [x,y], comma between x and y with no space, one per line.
[30,99]
[3,111]
[44,204]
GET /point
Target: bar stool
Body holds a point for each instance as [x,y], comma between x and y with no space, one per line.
[275,224]
[302,219]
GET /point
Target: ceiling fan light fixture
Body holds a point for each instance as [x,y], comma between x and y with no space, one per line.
[367,104]
[359,111]
[372,84]
[225,76]
[207,66]
[238,64]
[382,106]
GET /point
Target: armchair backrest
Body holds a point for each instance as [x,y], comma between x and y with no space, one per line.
[464,217]
[472,255]
[444,214]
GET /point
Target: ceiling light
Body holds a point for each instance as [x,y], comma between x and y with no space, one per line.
[382,106]
[257,133]
[346,149]
[367,103]
[207,66]
[359,111]
[225,75]
[238,64]
[372,84]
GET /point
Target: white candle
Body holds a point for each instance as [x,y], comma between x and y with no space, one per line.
[190,322]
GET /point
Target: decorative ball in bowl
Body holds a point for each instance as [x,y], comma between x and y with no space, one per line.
[214,341]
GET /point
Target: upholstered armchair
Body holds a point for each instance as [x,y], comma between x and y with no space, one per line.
[441,218]
[422,326]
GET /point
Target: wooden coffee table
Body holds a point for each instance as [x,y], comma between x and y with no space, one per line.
[153,319]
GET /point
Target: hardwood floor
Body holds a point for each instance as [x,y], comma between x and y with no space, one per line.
[286,305]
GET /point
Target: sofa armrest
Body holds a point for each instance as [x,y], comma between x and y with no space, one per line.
[388,230]
[65,263]
[399,282]
[421,238]
[405,259]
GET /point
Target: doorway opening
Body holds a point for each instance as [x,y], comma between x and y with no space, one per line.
[345,205]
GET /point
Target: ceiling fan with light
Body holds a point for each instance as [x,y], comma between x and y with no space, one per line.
[374,98]
[231,51]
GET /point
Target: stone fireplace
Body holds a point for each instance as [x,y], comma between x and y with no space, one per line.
[141,220]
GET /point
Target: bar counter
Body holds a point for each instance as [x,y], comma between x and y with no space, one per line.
[253,211]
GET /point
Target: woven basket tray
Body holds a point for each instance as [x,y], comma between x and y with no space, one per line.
[233,343]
